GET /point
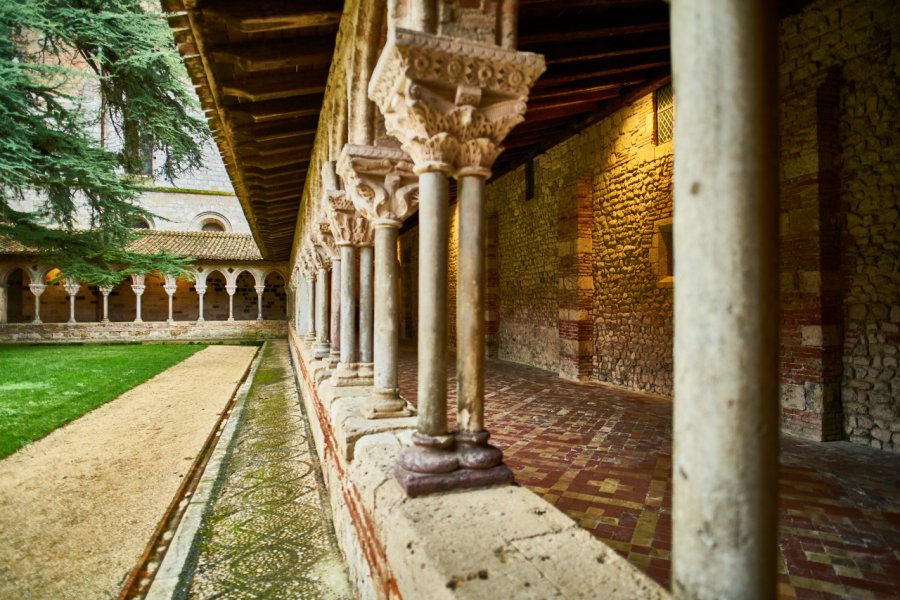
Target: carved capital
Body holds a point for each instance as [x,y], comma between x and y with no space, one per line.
[324,244]
[138,289]
[380,182]
[170,289]
[450,101]
[350,228]
[72,288]
[37,288]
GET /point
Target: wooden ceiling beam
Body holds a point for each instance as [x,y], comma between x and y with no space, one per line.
[269,55]
[276,87]
[569,32]
[602,75]
[302,126]
[276,110]
[258,17]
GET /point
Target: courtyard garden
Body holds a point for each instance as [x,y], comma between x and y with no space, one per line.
[44,387]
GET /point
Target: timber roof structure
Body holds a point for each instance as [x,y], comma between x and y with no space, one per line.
[260,70]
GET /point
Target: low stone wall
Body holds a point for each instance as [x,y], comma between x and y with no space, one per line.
[498,542]
[48,333]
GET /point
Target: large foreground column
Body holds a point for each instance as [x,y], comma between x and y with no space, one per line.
[726,301]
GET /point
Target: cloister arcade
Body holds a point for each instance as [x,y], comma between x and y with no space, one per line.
[36,294]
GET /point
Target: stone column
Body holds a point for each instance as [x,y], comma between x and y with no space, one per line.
[170,292]
[335,311]
[72,291]
[231,289]
[37,289]
[366,310]
[201,291]
[138,289]
[105,290]
[445,135]
[259,298]
[349,229]
[4,302]
[323,313]
[725,455]
[381,183]
[311,308]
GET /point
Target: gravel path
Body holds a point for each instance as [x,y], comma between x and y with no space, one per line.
[78,507]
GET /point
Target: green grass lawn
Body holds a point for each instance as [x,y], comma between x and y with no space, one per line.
[43,387]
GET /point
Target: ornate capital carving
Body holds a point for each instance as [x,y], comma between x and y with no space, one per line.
[349,227]
[450,101]
[37,288]
[72,288]
[138,289]
[324,244]
[380,182]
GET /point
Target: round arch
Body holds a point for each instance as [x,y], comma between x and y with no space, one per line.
[211,221]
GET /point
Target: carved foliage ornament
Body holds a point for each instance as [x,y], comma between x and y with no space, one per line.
[451,102]
[380,182]
[348,226]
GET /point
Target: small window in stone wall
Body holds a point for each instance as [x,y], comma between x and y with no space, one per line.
[662,253]
[665,114]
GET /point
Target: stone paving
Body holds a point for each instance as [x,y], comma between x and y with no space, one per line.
[603,455]
[268,533]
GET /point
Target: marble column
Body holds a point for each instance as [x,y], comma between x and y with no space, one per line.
[105,290]
[230,289]
[366,310]
[381,183]
[345,372]
[334,355]
[138,290]
[259,301]
[311,308]
[726,409]
[323,314]
[201,291]
[4,302]
[37,289]
[72,291]
[170,292]
[460,134]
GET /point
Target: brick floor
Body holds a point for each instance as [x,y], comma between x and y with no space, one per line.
[603,455]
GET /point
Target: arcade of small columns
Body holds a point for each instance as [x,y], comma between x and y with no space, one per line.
[38,278]
[448,95]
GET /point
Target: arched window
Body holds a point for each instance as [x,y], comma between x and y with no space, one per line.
[140,223]
[212,226]
[211,221]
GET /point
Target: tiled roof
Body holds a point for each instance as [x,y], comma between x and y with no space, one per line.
[202,245]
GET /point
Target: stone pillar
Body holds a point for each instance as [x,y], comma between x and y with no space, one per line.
[230,289]
[725,455]
[138,289]
[37,289]
[259,298]
[4,302]
[105,290]
[335,311]
[366,310]
[170,292]
[72,291]
[460,134]
[323,312]
[201,291]
[381,183]
[311,308]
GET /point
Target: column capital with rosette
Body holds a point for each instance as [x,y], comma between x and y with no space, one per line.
[451,101]
[380,182]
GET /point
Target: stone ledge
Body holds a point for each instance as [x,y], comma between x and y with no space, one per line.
[496,542]
[148,331]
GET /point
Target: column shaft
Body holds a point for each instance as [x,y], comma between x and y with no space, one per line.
[310,308]
[335,308]
[726,300]
[200,305]
[366,289]
[349,348]
[433,254]
[470,342]
[170,319]
[71,308]
[4,303]
[323,313]
[387,337]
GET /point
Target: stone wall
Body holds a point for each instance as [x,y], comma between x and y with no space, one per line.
[141,332]
[850,46]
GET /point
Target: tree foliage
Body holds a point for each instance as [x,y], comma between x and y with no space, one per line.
[65,67]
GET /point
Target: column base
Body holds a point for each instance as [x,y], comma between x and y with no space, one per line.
[170,321]
[105,321]
[71,321]
[201,320]
[138,320]
[387,405]
[230,319]
[366,370]
[322,350]
[348,374]
[439,464]
[37,322]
